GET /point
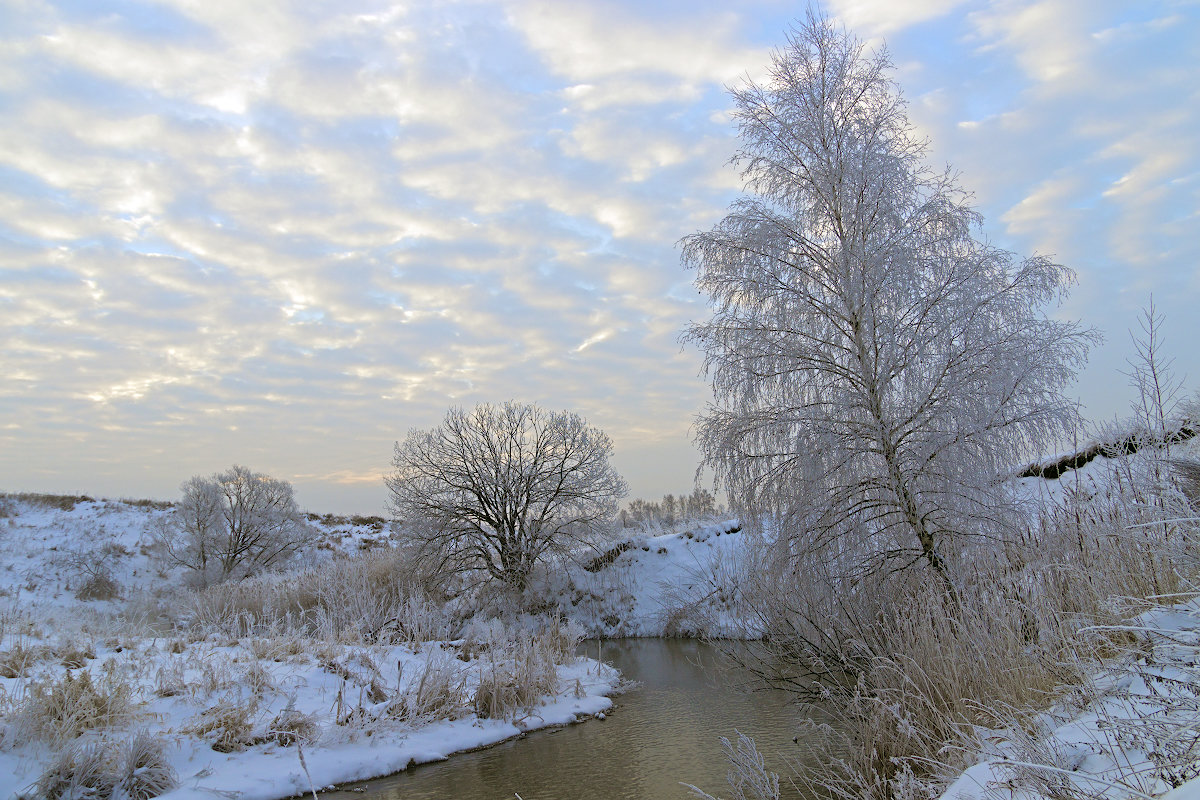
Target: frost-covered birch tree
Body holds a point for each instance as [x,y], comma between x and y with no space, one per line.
[498,488]
[876,364]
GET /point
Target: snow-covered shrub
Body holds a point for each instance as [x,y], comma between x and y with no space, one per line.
[103,770]
[225,726]
[91,562]
[82,770]
[143,771]
[438,692]
[60,710]
[291,726]
[98,587]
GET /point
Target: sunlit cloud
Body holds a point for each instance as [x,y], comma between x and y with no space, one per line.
[876,17]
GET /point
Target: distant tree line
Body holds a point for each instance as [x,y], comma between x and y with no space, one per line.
[669,510]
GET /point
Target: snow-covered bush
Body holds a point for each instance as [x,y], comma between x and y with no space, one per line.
[84,769]
[291,727]
[143,770]
[438,692]
[90,562]
[226,726]
[59,710]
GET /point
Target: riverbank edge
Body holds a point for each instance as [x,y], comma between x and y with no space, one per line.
[278,773]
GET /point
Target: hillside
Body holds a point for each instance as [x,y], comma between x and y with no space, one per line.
[326,672]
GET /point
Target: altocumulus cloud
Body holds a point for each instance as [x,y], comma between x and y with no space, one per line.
[283,234]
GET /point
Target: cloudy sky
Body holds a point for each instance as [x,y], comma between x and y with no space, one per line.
[283,234]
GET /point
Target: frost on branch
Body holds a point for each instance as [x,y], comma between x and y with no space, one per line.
[875,362]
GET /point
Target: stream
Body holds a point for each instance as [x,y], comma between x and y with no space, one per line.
[663,732]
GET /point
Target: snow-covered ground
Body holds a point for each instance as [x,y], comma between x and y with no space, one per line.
[1133,731]
[81,676]
[681,582]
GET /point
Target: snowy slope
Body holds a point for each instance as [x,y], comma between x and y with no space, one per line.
[226,708]
[1133,731]
[678,583]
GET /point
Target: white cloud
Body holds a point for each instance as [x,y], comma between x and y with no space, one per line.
[588,42]
[280,234]
[878,17]
[1050,39]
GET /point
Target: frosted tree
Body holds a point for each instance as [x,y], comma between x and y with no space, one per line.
[1152,376]
[875,363]
[497,489]
[232,524]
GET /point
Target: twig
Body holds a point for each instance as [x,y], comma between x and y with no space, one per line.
[304,766]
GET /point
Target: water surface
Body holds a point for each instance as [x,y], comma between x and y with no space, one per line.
[663,732]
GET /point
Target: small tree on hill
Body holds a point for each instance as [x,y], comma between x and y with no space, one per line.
[500,487]
[875,364]
[233,524]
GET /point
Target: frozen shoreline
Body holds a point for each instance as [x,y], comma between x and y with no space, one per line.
[262,769]
[275,772]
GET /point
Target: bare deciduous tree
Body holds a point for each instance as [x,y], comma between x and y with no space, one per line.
[500,487]
[1152,376]
[875,363]
[232,524]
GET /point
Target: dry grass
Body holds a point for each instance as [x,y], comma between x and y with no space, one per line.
[290,727]
[60,710]
[170,680]
[75,656]
[16,661]
[62,502]
[144,770]
[439,692]
[225,726]
[81,770]
[99,770]
[749,777]
[364,599]
[518,668]
[906,673]
[257,680]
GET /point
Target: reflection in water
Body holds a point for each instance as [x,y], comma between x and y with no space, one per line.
[659,734]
